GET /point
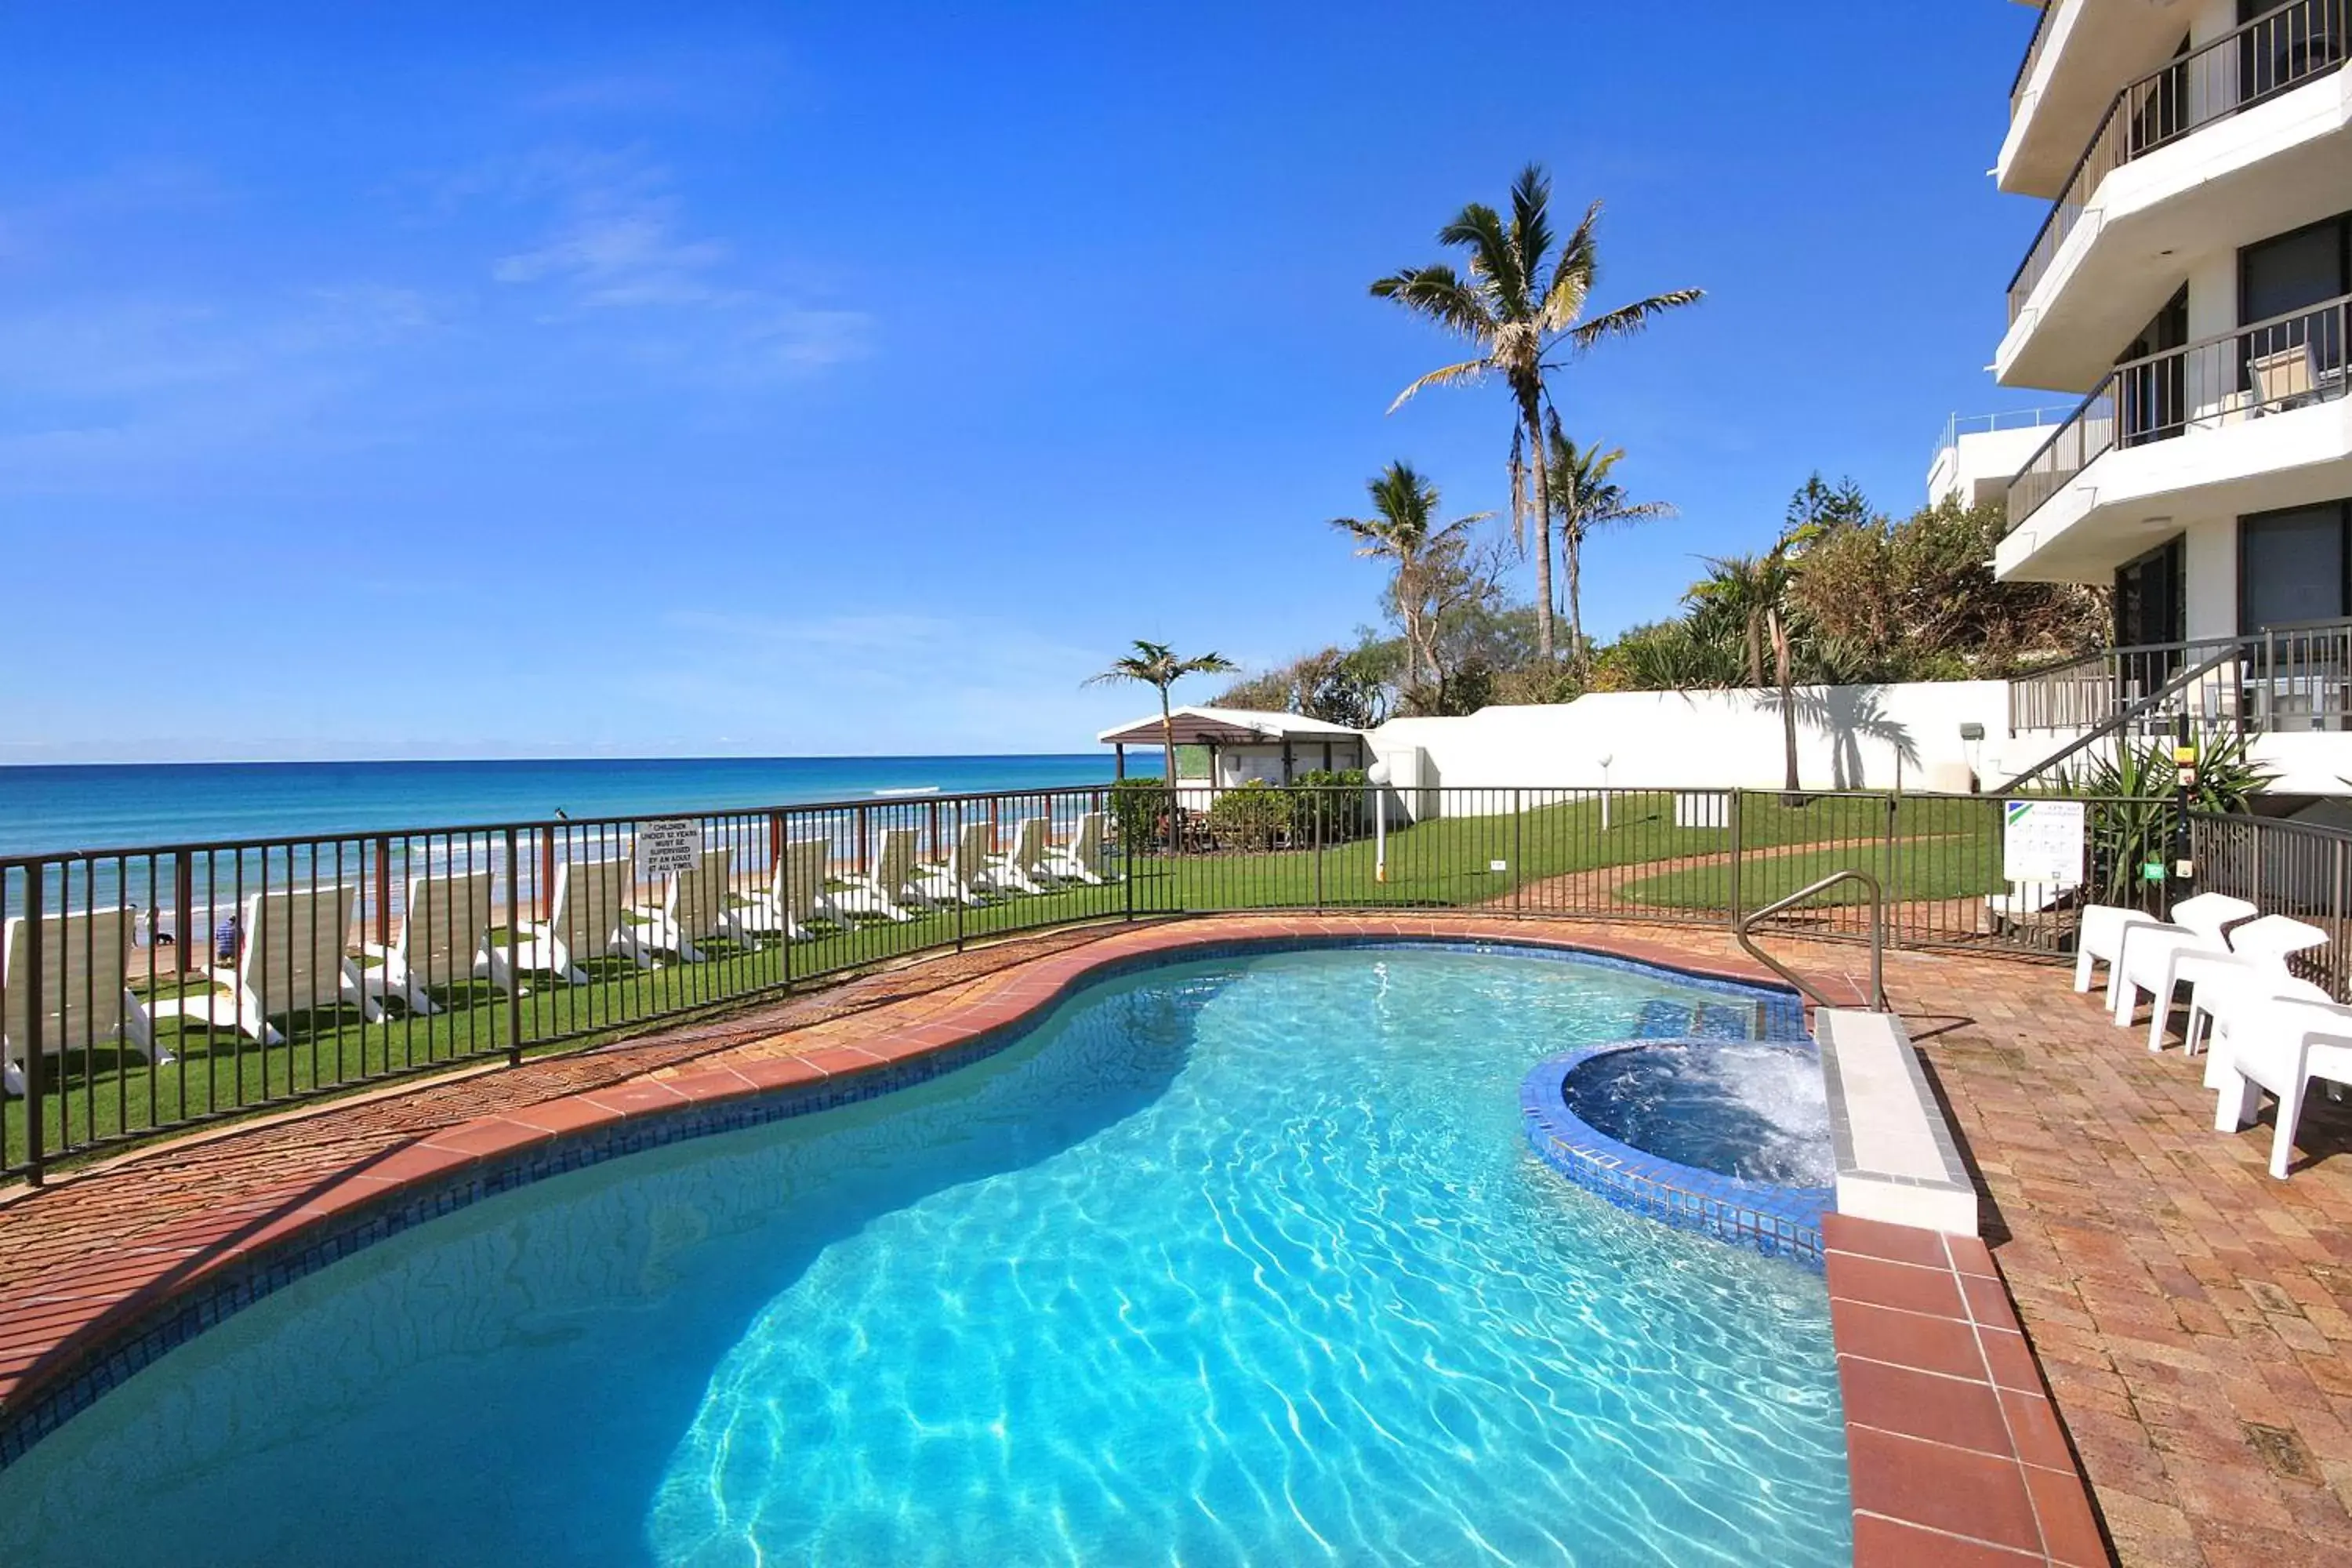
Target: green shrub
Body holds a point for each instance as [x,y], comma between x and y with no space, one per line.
[1138,808]
[1333,807]
[1253,816]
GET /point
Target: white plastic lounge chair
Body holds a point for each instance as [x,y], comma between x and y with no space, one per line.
[84,1002]
[291,957]
[2101,938]
[1081,859]
[695,903]
[960,878]
[444,937]
[2225,1001]
[889,886]
[2282,1048]
[1016,870]
[795,895]
[2257,965]
[587,916]
[2152,955]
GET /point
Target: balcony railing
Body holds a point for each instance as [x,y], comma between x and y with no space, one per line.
[2248,65]
[2032,53]
[2263,369]
[2286,678]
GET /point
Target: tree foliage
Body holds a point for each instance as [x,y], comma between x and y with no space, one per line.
[1523,309]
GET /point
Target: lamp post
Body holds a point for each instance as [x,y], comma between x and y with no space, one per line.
[1377,776]
[1605,792]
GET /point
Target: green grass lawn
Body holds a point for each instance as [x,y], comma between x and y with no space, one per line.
[1943,847]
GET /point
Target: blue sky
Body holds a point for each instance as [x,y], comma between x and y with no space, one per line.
[427,380]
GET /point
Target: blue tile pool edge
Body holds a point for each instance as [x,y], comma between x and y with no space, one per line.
[1778,1222]
[123,1350]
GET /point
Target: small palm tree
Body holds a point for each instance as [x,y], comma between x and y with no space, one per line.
[1402,528]
[1525,313]
[1584,498]
[1155,663]
[1750,592]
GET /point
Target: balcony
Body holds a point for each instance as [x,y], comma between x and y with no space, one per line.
[2285,680]
[2162,185]
[2257,413]
[2080,49]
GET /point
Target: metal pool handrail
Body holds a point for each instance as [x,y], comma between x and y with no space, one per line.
[1877,936]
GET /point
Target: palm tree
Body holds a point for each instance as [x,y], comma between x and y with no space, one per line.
[1155,663]
[1402,529]
[1751,594]
[1584,498]
[1521,309]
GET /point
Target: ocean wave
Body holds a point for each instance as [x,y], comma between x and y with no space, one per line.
[909,789]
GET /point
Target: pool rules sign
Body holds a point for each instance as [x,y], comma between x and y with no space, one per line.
[2041,841]
[668,849]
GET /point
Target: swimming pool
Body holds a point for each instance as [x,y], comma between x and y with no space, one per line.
[1242,1259]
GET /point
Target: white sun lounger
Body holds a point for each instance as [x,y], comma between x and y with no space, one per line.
[2152,955]
[698,902]
[84,1002]
[958,879]
[444,937]
[1018,869]
[795,895]
[587,916]
[891,885]
[2282,1048]
[292,957]
[1081,859]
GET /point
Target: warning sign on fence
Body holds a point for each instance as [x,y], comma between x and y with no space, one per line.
[668,849]
[2041,841]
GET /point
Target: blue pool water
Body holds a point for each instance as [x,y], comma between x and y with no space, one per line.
[1756,1111]
[1240,1261]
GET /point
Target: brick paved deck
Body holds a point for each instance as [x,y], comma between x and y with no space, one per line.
[2190,1315]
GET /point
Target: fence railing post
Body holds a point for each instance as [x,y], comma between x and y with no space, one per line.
[1318,807]
[514,952]
[36,1069]
[1739,818]
[1518,841]
[963,877]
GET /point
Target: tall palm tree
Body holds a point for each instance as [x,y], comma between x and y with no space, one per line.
[1584,498]
[1402,528]
[1155,663]
[1523,310]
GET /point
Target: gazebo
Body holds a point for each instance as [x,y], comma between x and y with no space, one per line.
[1245,743]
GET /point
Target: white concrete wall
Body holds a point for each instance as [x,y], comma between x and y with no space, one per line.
[1979,465]
[1852,737]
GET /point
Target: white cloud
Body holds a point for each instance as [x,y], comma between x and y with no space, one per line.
[620,242]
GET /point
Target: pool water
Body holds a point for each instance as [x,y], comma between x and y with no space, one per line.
[1754,1110]
[1237,1261]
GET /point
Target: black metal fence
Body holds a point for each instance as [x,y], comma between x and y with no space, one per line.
[2286,868]
[149,989]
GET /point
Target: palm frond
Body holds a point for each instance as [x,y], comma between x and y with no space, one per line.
[1531,232]
[1627,320]
[1439,293]
[1468,370]
[1478,228]
[1571,288]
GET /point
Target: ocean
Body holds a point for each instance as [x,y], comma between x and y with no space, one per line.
[127,806]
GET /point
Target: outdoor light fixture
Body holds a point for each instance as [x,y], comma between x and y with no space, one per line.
[1605,792]
[1972,743]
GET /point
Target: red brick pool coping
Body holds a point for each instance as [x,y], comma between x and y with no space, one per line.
[1955,1451]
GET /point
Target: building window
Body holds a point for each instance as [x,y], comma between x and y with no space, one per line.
[2152,597]
[2292,566]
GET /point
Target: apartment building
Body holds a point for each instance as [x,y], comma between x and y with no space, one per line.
[2190,285]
